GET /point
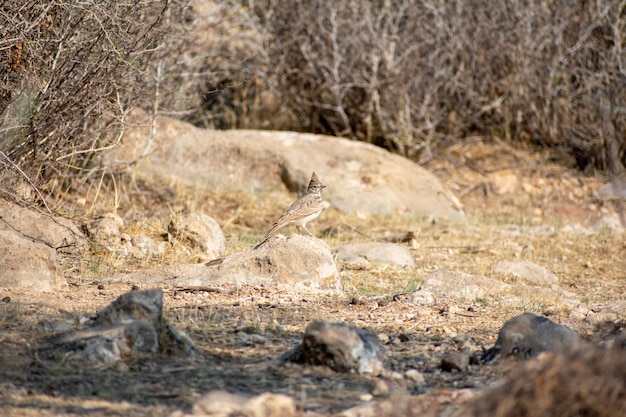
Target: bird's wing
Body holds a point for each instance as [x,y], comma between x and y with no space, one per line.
[302,207]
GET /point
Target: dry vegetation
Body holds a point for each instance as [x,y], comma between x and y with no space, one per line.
[500,227]
[434,80]
[69,74]
[412,76]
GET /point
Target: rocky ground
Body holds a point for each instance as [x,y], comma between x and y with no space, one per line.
[519,207]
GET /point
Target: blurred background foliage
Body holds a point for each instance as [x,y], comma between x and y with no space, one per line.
[412,76]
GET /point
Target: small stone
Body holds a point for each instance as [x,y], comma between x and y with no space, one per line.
[340,346]
[423,297]
[458,361]
[105,231]
[269,405]
[108,345]
[241,324]
[504,183]
[449,332]
[122,367]
[381,388]
[242,338]
[383,337]
[396,376]
[59,327]
[415,376]
[144,247]
[610,223]
[461,338]
[257,339]
[295,262]
[135,305]
[395,341]
[382,303]
[355,301]
[366,397]
[219,403]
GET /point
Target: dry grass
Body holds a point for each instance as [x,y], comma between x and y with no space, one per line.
[515,226]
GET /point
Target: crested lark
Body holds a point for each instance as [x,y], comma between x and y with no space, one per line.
[305,209]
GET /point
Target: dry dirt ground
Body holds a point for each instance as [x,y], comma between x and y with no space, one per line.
[517,204]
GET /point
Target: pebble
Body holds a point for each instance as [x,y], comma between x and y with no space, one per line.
[415,376]
[455,361]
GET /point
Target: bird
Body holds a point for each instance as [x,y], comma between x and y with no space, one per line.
[305,209]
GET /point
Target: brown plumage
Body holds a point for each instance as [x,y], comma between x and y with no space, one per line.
[302,211]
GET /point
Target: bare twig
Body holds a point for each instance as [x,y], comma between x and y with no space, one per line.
[25,176]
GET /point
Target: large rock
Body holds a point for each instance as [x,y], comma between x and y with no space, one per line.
[529,271]
[359,176]
[25,263]
[297,263]
[55,232]
[586,382]
[130,327]
[460,285]
[107,232]
[135,305]
[340,346]
[199,232]
[612,313]
[528,335]
[293,261]
[365,252]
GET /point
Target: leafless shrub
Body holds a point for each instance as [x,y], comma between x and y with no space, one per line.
[410,75]
[227,45]
[413,74]
[70,72]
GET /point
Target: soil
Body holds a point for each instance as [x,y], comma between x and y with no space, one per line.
[238,334]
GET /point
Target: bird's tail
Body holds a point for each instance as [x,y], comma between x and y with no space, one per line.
[260,244]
